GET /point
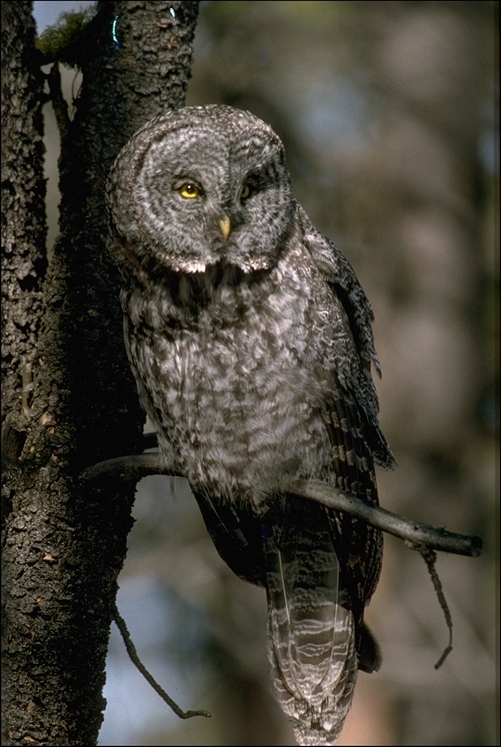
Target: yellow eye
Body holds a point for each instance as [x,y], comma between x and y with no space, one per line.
[245,193]
[189,191]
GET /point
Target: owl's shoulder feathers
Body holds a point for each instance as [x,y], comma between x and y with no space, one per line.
[340,277]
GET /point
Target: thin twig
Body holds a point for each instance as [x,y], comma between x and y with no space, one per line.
[430,558]
[131,650]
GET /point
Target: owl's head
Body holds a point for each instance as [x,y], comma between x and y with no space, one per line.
[203,185]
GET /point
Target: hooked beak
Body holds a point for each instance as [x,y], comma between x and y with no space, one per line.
[225,226]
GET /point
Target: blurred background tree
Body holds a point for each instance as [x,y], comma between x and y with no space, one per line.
[388,114]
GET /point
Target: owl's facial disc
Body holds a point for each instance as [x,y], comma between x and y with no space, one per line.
[207,193]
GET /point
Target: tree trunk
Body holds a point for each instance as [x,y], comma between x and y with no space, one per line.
[65,542]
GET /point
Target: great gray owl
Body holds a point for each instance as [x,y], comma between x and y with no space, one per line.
[250,340]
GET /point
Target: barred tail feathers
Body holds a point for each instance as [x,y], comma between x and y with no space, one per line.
[311,634]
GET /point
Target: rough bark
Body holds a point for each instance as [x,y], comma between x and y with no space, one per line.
[23,212]
[65,541]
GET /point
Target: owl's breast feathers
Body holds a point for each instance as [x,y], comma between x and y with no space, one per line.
[262,376]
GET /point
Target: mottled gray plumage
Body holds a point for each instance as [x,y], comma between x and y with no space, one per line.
[250,340]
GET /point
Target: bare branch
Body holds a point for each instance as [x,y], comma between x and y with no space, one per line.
[138,466]
[130,468]
[415,532]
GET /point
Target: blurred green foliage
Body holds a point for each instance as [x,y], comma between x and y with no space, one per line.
[65,40]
